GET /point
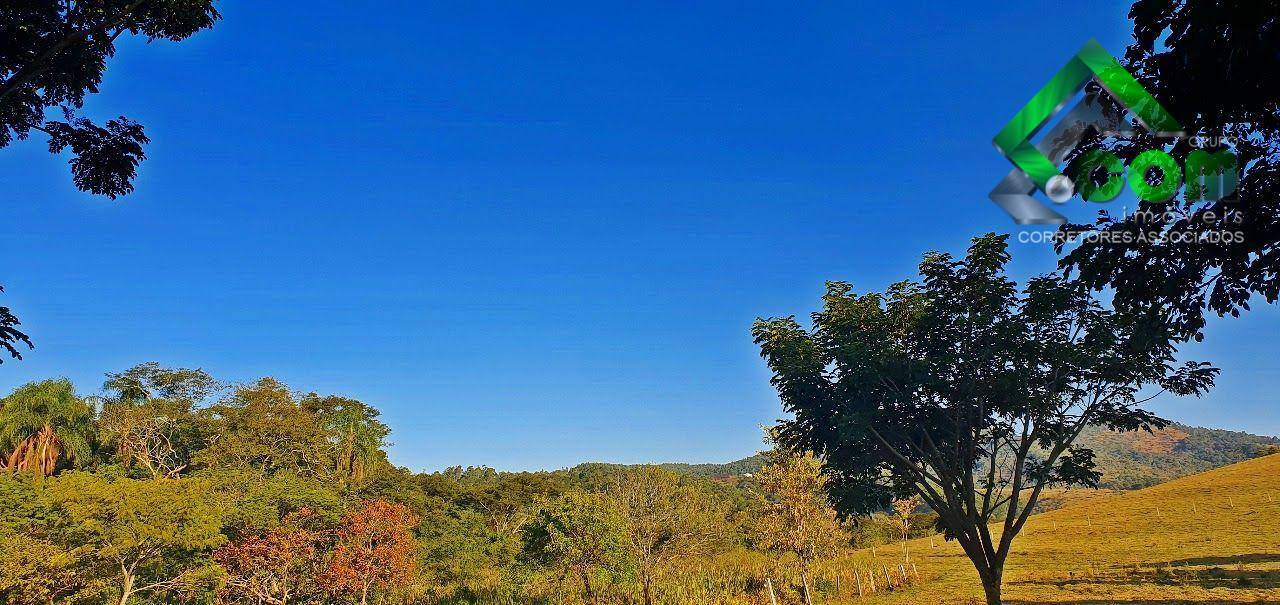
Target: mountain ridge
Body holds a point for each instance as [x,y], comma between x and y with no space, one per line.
[1128,460]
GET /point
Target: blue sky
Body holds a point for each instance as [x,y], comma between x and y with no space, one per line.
[538,236]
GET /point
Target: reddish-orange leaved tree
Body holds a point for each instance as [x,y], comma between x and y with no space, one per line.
[374,552]
[278,566]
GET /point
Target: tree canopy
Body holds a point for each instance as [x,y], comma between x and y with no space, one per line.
[53,54]
[44,426]
[1212,63]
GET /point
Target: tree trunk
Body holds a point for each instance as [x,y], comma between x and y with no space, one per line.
[991,586]
[126,590]
[648,590]
[804,581]
[588,595]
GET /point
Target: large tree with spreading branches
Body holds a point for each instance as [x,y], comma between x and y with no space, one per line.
[965,390]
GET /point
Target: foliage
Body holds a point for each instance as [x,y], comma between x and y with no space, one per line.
[903,513]
[152,537]
[44,426]
[1212,64]
[355,438]
[745,466]
[967,392]
[150,381]
[798,520]
[580,534]
[878,529]
[261,531]
[666,521]
[374,551]
[54,54]
[159,436]
[258,504]
[279,566]
[464,558]
[37,571]
[10,335]
[262,426]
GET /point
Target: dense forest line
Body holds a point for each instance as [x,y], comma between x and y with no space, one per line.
[170,487]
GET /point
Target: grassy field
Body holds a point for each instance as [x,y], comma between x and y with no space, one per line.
[1207,538]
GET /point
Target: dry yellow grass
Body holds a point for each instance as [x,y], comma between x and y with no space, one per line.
[1207,538]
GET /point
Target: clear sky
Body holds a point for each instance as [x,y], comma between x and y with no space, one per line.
[539,236]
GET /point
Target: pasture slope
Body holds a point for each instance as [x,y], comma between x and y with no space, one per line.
[1207,538]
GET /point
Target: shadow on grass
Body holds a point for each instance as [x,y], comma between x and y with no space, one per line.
[1205,572]
[1269,557]
[1213,577]
[1136,602]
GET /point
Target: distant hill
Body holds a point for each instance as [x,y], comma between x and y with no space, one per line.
[1140,459]
[746,466]
[1127,460]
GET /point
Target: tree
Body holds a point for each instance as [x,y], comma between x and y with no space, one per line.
[967,392]
[507,500]
[464,558]
[354,436]
[147,381]
[263,427]
[44,425]
[10,335]
[54,55]
[903,508]
[798,519]
[158,436]
[1212,64]
[154,535]
[579,533]
[472,528]
[257,505]
[667,520]
[38,572]
[374,552]
[148,416]
[278,566]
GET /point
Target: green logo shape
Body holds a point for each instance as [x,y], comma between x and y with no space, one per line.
[1014,140]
